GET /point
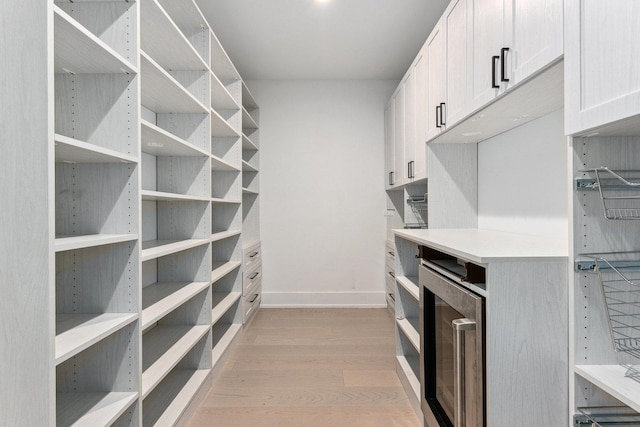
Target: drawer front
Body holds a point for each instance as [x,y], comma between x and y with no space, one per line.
[390,295]
[252,256]
[251,277]
[252,302]
[390,252]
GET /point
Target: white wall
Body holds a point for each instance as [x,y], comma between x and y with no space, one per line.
[322,191]
[521,176]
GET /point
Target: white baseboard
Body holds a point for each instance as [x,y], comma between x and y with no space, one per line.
[366,299]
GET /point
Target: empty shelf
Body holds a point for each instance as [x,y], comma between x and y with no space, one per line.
[248,144]
[410,332]
[221,99]
[406,374]
[159,142]
[227,201]
[220,127]
[248,122]
[217,164]
[79,51]
[91,409]
[77,332]
[222,303]
[248,167]
[249,192]
[68,243]
[410,284]
[224,235]
[221,64]
[223,343]
[70,150]
[152,249]
[611,379]
[162,93]
[248,101]
[222,269]
[171,197]
[163,348]
[160,299]
[163,40]
[172,396]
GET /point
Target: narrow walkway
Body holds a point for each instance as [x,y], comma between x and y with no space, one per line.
[310,368]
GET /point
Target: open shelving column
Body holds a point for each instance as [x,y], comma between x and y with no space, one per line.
[97,210]
[176,208]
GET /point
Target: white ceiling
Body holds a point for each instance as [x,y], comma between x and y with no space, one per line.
[309,39]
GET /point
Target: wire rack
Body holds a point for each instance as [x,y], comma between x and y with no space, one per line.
[605,416]
[619,276]
[619,191]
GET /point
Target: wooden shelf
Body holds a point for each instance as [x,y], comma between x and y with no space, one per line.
[611,379]
[248,101]
[222,269]
[220,127]
[221,65]
[224,235]
[221,99]
[226,201]
[249,192]
[217,164]
[248,121]
[222,302]
[173,396]
[162,40]
[171,197]
[407,376]
[248,144]
[78,51]
[163,348]
[162,298]
[152,249]
[410,332]
[77,332]
[248,167]
[69,243]
[223,343]
[70,150]
[410,284]
[91,409]
[161,93]
[185,14]
[158,142]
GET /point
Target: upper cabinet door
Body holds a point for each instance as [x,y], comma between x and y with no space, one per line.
[457,63]
[420,72]
[486,38]
[602,63]
[388,144]
[435,54]
[409,87]
[398,138]
[533,35]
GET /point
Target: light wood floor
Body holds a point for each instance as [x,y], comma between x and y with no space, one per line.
[310,367]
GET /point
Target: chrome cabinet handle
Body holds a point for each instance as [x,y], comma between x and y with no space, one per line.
[460,326]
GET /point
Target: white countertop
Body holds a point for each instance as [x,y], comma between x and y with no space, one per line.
[484,246]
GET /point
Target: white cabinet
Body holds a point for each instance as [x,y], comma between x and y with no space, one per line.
[398,136]
[534,36]
[415,105]
[455,104]
[435,53]
[485,34]
[409,90]
[389,147]
[603,56]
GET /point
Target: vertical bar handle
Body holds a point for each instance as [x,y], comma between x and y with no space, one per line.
[460,326]
[438,108]
[410,169]
[391,178]
[494,60]
[442,114]
[503,64]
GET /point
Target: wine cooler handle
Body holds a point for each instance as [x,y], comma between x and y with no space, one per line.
[460,326]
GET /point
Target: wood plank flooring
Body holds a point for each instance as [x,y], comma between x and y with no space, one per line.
[310,367]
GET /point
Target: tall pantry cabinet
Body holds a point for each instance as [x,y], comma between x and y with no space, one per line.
[124,155]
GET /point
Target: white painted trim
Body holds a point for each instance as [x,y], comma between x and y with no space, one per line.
[330,299]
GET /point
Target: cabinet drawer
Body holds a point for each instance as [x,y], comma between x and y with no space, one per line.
[390,251]
[252,302]
[390,295]
[251,277]
[251,256]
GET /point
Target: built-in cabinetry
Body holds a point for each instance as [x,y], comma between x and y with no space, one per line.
[139,177]
[601,116]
